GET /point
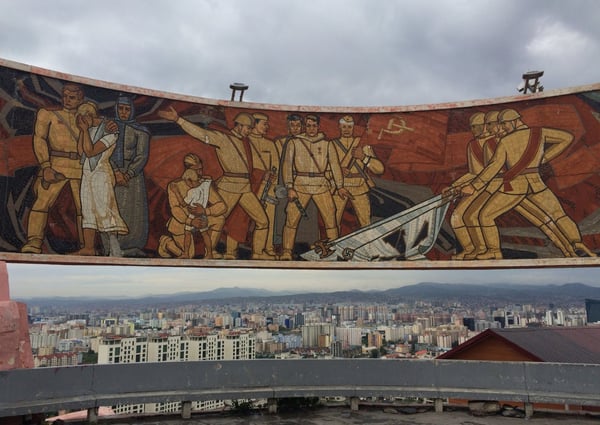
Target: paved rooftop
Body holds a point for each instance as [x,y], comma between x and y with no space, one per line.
[344,416]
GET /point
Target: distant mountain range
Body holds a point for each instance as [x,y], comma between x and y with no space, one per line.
[566,294]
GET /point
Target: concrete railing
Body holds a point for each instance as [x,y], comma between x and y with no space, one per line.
[41,390]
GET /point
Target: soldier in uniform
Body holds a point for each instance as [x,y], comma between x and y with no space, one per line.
[55,147]
[235,157]
[470,236]
[356,162]
[307,158]
[265,158]
[195,206]
[518,156]
[465,217]
[295,126]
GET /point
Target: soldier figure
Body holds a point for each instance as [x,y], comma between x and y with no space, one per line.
[356,162]
[465,217]
[55,147]
[521,151]
[195,206]
[235,157]
[470,236]
[307,158]
[295,126]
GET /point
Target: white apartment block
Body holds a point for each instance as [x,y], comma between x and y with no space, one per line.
[349,337]
[225,345]
[315,335]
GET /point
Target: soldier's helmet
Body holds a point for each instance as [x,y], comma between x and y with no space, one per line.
[508,115]
[477,119]
[244,118]
[491,116]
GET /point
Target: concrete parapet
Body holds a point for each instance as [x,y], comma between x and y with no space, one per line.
[272,405]
[186,410]
[15,347]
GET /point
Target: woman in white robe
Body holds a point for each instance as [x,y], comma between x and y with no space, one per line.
[98,203]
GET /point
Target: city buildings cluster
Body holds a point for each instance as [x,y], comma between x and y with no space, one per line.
[263,330]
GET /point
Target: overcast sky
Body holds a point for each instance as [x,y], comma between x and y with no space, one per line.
[340,53]
[350,52]
[28,281]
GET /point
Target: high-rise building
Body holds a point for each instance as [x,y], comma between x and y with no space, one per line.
[199,345]
[349,337]
[313,335]
[469,323]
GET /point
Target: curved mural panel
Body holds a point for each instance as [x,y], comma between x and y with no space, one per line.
[96,169]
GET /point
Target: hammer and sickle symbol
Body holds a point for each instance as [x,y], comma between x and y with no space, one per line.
[323,248]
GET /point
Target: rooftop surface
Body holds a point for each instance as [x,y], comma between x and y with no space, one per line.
[345,416]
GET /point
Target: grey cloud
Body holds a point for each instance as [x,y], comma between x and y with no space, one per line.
[296,52]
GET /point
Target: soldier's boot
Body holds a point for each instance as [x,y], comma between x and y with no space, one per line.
[582,250]
[231,249]
[216,255]
[215,236]
[167,248]
[571,231]
[289,234]
[492,238]
[479,245]
[464,239]
[259,240]
[558,239]
[36,227]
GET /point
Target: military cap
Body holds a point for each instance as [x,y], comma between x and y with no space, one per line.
[258,116]
[347,119]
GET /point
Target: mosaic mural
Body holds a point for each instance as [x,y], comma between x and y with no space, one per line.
[97,169]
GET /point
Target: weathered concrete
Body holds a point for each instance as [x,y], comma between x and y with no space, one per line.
[15,348]
[345,416]
[26,391]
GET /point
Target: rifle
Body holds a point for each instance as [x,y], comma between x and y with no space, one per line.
[281,193]
[264,197]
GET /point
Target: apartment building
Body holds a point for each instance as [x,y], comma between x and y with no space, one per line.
[162,347]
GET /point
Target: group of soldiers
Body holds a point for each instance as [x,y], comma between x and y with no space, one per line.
[504,160]
[263,179]
[267,184]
